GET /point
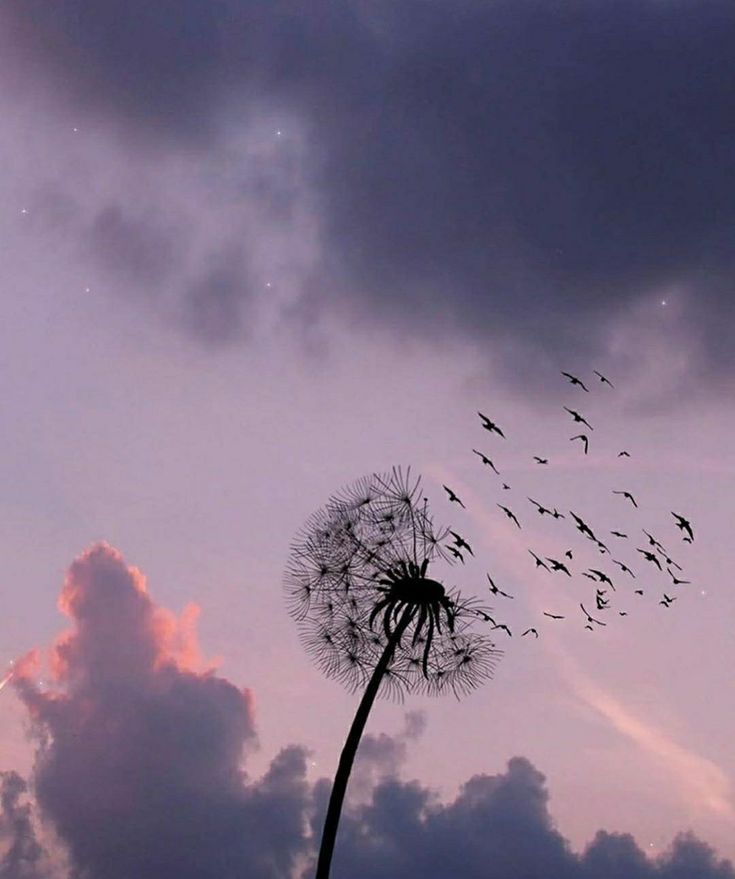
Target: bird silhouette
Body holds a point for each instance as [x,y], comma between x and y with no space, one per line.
[601,603]
[684,525]
[652,540]
[589,576]
[540,460]
[568,554]
[579,419]
[530,631]
[602,577]
[584,438]
[490,425]
[539,562]
[540,507]
[510,514]
[623,567]
[485,460]
[623,613]
[605,381]
[494,589]
[590,618]
[670,561]
[556,565]
[456,553]
[618,534]
[553,616]
[460,542]
[628,495]
[506,487]
[557,515]
[623,454]
[638,592]
[453,497]
[676,581]
[575,381]
[504,628]
[602,547]
[650,557]
[667,601]
[583,526]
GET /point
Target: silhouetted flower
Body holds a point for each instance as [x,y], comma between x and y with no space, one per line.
[358,584]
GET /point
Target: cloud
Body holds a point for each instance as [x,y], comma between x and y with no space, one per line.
[516,174]
[140,770]
[139,762]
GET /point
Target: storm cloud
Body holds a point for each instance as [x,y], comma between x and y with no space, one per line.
[520,175]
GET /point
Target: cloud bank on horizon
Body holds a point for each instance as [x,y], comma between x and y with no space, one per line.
[528,177]
[140,753]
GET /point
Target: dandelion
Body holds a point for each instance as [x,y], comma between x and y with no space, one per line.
[369,614]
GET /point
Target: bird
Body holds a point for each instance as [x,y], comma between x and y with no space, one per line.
[671,562]
[506,487]
[676,581]
[582,526]
[602,577]
[628,495]
[485,460]
[601,546]
[504,628]
[557,515]
[510,514]
[539,562]
[584,438]
[623,454]
[605,381]
[638,592]
[553,616]
[575,381]
[652,540]
[453,497]
[540,460]
[456,553]
[542,509]
[490,425]
[568,554]
[601,603]
[589,576]
[591,619]
[650,557]
[618,534]
[579,419]
[556,565]
[623,613]
[494,589]
[667,601]
[684,525]
[530,631]
[460,542]
[623,567]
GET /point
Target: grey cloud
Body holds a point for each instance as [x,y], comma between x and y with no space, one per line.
[23,856]
[518,174]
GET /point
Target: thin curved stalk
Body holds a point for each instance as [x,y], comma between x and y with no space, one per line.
[347,757]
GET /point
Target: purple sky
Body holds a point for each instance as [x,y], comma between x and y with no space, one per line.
[252,253]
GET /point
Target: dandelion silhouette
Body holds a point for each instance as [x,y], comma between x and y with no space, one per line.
[370,616]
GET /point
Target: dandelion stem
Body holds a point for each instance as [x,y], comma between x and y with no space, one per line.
[339,786]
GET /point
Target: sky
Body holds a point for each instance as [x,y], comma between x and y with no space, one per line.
[253,252]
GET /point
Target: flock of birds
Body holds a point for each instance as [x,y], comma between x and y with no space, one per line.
[653,551]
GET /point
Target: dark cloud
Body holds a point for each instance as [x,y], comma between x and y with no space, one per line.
[139,768]
[518,173]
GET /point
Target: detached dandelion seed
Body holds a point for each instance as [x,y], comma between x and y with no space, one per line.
[370,616]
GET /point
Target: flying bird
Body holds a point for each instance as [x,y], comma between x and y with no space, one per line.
[530,631]
[667,601]
[676,581]
[556,565]
[485,460]
[582,526]
[601,546]
[510,514]
[574,380]
[638,592]
[650,557]
[539,562]
[602,577]
[652,540]
[540,460]
[506,487]
[553,616]
[623,613]
[568,554]
[542,509]
[456,553]
[605,381]
[590,618]
[623,567]
[557,515]
[490,425]
[684,525]
[589,576]
[618,534]
[623,454]
[579,419]
[504,628]
[494,589]
[628,495]
[460,542]
[584,438]
[453,497]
